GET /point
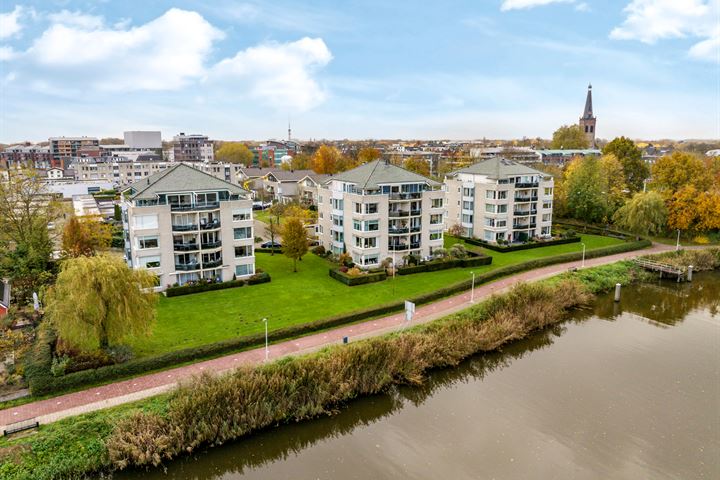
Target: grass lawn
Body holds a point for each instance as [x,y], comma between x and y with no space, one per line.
[310,294]
[264,216]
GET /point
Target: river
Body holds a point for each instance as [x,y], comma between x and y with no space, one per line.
[628,391]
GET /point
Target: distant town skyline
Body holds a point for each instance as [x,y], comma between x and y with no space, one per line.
[237,70]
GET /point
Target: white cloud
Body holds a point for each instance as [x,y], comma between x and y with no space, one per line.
[524,4]
[582,7]
[9,22]
[7,53]
[77,19]
[280,74]
[651,20]
[163,54]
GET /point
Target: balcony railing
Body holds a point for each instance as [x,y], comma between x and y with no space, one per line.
[405,196]
[187,266]
[210,225]
[185,247]
[525,213]
[527,185]
[207,245]
[415,245]
[184,228]
[212,263]
[415,212]
[194,206]
[415,229]
[398,247]
[526,199]
[396,231]
[398,213]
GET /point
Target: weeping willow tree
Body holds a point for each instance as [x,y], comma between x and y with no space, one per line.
[99,300]
[644,214]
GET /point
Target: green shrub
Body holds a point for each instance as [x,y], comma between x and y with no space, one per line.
[267,250]
[351,280]
[412,269]
[203,287]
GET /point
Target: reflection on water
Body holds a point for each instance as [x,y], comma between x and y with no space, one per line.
[609,399]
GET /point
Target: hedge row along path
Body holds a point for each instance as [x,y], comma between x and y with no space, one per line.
[56,408]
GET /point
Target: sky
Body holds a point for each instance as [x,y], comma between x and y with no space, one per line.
[358,69]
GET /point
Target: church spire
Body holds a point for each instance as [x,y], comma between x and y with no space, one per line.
[588,113]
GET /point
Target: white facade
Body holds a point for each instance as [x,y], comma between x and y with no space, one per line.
[509,207]
[143,139]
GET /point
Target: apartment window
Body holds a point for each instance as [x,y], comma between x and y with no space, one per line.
[372,225]
[489,235]
[243,251]
[435,219]
[242,233]
[489,222]
[150,261]
[547,204]
[468,205]
[242,270]
[205,197]
[502,209]
[502,195]
[548,191]
[437,203]
[147,242]
[241,214]
[501,223]
[320,199]
[490,194]
[337,220]
[468,192]
[366,242]
[545,230]
[358,207]
[357,225]
[489,208]
[546,217]
[145,221]
[371,208]
[370,260]
[467,219]
[436,235]
[337,204]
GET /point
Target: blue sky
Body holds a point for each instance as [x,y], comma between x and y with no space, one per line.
[359,69]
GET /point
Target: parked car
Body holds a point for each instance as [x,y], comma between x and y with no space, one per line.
[271,245]
[261,205]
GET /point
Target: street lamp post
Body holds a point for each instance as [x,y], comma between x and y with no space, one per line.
[472,288]
[583,255]
[677,245]
[267,350]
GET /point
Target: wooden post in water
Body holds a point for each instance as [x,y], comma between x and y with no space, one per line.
[617,292]
[689,274]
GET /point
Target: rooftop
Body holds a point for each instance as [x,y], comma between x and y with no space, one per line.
[499,167]
[371,175]
[290,175]
[179,178]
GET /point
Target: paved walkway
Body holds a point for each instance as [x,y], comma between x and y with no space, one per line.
[53,409]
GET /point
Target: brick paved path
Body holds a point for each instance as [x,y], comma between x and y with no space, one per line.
[53,409]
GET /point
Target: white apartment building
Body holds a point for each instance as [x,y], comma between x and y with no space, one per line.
[378,211]
[498,199]
[185,225]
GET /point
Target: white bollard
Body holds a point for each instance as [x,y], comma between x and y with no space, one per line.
[617,292]
[689,276]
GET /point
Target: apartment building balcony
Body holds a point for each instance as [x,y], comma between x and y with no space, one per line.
[210,225]
[414,245]
[527,185]
[405,196]
[524,198]
[416,228]
[398,231]
[524,213]
[185,247]
[212,263]
[208,245]
[415,212]
[182,207]
[397,247]
[184,228]
[186,267]
[398,213]
[527,226]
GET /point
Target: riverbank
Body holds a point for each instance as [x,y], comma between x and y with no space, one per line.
[162,427]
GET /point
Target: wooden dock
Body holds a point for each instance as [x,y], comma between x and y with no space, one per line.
[663,268]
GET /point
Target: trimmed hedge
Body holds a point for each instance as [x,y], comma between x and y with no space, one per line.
[351,281]
[436,265]
[524,246]
[263,277]
[268,250]
[42,382]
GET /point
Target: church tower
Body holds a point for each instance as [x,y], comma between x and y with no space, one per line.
[587,121]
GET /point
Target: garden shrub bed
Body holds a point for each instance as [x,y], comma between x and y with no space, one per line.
[593,229]
[41,381]
[524,246]
[436,265]
[351,280]
[263,277]
[267,250]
